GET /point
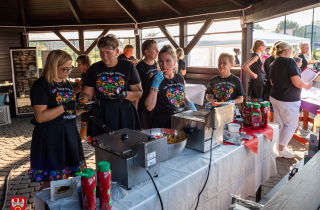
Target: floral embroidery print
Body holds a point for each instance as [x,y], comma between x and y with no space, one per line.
[109,85]
[65,97]
[46,175]
[223,93]
[152,73]
[258,100]
[93,141]
[176,96]
[83,124]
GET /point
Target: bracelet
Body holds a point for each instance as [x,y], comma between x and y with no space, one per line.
[154,89]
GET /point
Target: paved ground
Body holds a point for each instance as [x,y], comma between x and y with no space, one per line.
[15,140]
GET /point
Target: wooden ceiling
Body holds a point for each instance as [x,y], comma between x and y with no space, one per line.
[75,12]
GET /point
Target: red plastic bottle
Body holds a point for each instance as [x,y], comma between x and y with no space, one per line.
[264,114]
[104,183]
[255,117]
[88,185]
[246,114]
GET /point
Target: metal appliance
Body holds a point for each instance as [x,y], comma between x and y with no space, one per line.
[130,153]
[198,125]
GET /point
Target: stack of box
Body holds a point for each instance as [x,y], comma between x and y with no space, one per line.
[313,146]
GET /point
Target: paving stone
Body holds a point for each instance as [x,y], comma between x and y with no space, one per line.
[34,184]
[283,171]
[17,178]
[266,190]
[37,188]
[19,186]
[31,200]
[32,194]
[26,195]
[27,190]
[26,177]
[12,192]
[25,181]
[28,207]
[268,184]
[15,182]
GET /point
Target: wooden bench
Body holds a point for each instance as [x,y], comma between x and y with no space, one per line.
[303,190]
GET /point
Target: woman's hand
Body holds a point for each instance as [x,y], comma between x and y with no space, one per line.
[157,79]
[70,105]
[254,76]
[308,85]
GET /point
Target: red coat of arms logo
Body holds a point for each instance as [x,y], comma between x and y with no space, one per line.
[18,203]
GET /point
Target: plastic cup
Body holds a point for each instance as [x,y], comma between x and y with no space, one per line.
[240,122]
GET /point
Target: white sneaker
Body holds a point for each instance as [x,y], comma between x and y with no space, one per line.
[286,153]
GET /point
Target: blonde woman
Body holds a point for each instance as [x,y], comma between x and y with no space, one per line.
[165,92]
[303,50]
[54,105]
[254,68]
[181,63]
[285,95]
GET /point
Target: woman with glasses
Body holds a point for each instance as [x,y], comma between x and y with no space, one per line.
[225,86]
[116,85]
[166,95]
[83,63]
[254,68]
[56,149]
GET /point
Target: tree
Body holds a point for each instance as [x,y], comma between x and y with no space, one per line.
[152,34]
[297,29]
[257,26]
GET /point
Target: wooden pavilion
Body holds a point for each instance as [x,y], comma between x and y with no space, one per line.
[19,17]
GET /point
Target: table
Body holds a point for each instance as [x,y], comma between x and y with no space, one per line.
[309,103]
[234,169]
[195,93]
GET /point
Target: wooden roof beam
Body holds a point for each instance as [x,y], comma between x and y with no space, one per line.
[173,6]
[81,41]
[23,16]
[168,35]
[236,2]
[104,33]
[74,8]
[67,42]
[198,36]
[128,10]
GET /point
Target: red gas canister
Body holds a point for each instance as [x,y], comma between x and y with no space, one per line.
[104,183]
[88,186]
[255,117]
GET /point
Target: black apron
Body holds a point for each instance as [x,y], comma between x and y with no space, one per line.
[114,114]
[56,152]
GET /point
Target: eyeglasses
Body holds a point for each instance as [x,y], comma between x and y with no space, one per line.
[161,62]
[66,69]
[223,63]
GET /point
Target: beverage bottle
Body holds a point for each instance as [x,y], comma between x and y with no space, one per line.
[264,114]
[316,122]
[255,117]
[88,186]
[104,183]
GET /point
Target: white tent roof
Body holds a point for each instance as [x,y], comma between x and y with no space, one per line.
[234,39]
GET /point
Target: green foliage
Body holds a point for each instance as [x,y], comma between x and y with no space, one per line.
[297,29]
[314,54]
[152,34]
[257,26]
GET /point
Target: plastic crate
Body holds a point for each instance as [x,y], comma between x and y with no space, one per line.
[5,115]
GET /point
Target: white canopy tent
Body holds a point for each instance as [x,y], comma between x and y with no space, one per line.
[207,50]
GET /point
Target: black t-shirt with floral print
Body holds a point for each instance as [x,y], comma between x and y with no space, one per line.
[171,93]
[83,79]
[146,72]
[44,93]
[225,89]
[107,80]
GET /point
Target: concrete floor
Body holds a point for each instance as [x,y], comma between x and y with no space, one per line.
[15,141]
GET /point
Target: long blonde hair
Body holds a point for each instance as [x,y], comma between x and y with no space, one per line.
[55,58]
[257,44]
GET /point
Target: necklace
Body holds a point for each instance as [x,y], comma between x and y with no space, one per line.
[59,84]
[112,68]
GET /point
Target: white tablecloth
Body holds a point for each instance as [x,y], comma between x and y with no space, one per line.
[195,93]
[234,169]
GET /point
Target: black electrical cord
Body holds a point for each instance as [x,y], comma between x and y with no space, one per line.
[208,170]
[156,189]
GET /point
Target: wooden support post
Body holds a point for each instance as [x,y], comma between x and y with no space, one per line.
[67,42]
[81,41]
[138,40]
[23,16]
[183,38]
[104,32]
[173,6]
[168,35]
[247,33]
[198,36]
[75,10]
[25,39]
